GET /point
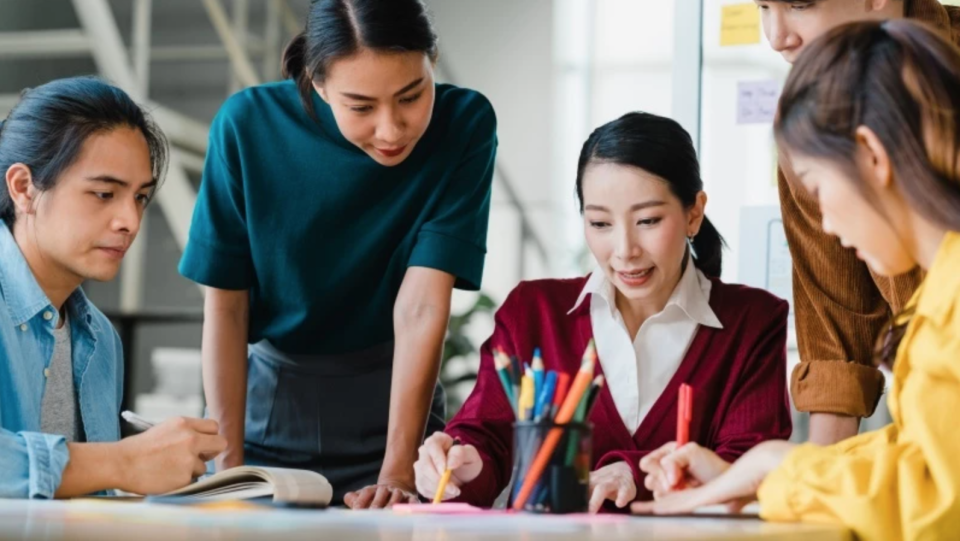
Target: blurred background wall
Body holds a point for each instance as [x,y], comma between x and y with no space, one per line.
[553,69]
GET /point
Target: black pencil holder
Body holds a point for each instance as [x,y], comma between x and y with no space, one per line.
[562,485]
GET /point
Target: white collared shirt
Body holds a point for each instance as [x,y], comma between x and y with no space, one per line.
[637,371]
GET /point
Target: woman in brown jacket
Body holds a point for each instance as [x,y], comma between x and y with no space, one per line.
[840,305]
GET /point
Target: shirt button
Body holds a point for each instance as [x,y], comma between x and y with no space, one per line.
[48,316]
[46,372]
[23,327]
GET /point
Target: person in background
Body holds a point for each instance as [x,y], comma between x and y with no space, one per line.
[839,303]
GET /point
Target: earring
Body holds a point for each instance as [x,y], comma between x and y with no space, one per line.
[693,251]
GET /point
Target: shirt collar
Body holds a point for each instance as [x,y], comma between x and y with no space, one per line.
[941,288]
[21,292]
[595,284]
[692,294]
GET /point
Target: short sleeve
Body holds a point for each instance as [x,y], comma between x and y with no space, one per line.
[454,238]
[218,248]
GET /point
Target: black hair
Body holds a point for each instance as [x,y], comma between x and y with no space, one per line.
[47,128]
[339,28]
[661,147]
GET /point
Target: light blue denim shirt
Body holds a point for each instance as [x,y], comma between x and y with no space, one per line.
[32,463]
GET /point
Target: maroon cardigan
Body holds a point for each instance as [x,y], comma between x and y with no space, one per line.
[739,376]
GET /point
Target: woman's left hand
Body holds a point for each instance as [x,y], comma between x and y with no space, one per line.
[612,482]
[736,487]
[380,496]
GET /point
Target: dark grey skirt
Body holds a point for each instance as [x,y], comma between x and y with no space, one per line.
[326,413]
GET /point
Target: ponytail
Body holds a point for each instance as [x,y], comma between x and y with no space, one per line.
[708,245]
[295,57]
[294,66]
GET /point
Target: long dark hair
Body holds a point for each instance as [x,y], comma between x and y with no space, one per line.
[661,147]
[339,28]
[901,80]
[47,128]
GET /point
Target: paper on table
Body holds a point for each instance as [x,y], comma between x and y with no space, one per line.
[751,510]
[442,509]
[712,511]
[467,509]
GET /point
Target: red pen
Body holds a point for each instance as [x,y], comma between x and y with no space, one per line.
[684,415]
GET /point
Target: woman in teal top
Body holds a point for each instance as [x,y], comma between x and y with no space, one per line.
[337,211]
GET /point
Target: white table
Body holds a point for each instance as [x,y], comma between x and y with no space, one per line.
[55,520]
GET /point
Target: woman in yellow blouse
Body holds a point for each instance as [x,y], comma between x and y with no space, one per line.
[870,119]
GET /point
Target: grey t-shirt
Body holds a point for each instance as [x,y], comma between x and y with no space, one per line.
[59,411]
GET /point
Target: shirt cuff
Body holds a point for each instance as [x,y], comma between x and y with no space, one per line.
[463,260]
[47,456]
[214,267]
[839,387]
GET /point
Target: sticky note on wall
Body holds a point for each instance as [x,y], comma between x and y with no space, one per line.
[757,101]
[739,25]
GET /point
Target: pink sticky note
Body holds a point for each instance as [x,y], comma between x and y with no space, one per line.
[441,509]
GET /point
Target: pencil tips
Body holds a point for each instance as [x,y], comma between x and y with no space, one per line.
[590,355]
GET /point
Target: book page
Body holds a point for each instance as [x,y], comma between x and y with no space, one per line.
[286,485]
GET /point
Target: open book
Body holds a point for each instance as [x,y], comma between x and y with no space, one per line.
[295,487]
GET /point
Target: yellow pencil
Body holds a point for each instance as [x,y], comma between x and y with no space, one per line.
[526,398]
[445,478]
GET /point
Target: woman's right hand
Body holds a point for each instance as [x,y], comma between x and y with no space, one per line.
[668,466]
[168,456]
[437,454]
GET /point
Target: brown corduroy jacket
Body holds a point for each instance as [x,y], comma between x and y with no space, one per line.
[839,304]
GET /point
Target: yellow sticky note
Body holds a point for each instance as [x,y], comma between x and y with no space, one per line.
[739,25]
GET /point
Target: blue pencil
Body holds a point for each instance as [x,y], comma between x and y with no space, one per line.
[537,373]
[545,400]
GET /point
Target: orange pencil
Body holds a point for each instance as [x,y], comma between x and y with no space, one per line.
[580,384]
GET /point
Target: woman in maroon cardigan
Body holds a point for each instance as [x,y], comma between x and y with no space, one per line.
[659,315]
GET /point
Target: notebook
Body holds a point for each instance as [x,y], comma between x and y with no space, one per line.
[300,488]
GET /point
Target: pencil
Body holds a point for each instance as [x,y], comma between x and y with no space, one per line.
[445,478]
[525,404]
[566,412]
[502,365]
[517,370]
[545,398]
[595,391]
[537,373]
[583,411]
[563,384]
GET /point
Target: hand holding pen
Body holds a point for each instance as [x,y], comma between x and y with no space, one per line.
[439,455]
